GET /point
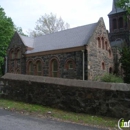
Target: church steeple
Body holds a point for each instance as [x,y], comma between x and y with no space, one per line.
[118,26]
[115,9]
[114,5]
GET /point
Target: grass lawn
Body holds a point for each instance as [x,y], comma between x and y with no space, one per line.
[42,111]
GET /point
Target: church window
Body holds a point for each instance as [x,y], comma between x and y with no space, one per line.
[11,71]
[12,54]
[114,24]
[70,64]
[18,54]
[54,68]
[110,70]
[18,71]
[120,22]
[102,43]
[103,66]
[99,42]
[109,53]
[30,67]
[106,45]
[38,68]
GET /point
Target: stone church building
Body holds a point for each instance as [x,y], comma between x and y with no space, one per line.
[83,52]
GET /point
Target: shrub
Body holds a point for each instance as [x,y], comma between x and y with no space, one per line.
[111,78]
[125,62]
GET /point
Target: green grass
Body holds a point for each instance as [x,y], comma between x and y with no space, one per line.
[42,111]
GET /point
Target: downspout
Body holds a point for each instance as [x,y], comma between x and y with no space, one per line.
[5,64]
[83,65]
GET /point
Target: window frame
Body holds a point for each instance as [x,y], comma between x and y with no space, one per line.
[103,66]
[38,71]
[32,68]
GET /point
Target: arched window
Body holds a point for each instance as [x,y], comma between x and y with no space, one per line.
[120,22]
[12,55]
[11,71]
[54,68]
[70,64]
[109,53]
[30,68]
[114,24]
[99,42]
[102,43]
[103,66]
[38,68]
[18,71]
[106,45]
[110,70]
[18,54]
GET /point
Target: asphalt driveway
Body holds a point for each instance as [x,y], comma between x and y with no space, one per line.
[13,121]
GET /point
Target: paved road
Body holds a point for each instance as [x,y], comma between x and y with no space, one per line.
[13,121]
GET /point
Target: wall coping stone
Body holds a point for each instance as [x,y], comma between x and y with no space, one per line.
[67,82]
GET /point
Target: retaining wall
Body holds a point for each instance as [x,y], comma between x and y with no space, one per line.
[109,99]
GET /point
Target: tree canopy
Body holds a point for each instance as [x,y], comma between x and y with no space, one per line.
[47,24]
[124,4]
[20,31]
[125,51]
[125,62]
[6,33]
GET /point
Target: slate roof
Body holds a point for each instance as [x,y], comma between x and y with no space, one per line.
[115,9]
[27,41]
[69,38]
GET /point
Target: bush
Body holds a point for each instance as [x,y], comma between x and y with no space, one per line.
[111,78]
[125,62]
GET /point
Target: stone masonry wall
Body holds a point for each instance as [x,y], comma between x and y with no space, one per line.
[76,57]
[98,98]
[98,55]
[16,63]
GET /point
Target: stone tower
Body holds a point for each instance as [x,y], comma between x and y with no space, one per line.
[119,26]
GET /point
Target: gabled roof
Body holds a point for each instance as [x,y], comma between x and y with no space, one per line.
[69,38]
[115,9]
[27,41]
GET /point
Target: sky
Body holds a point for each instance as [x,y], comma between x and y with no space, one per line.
[25,13]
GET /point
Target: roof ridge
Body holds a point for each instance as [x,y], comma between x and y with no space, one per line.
[22,37]
[65,30]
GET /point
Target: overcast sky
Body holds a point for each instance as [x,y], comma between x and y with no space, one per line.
[25,13]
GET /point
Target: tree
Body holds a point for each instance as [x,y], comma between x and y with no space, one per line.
[125,63]
[6,33]
[124,4]
[125,51]
[20,31]
[47,24]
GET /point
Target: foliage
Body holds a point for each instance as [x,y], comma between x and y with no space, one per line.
[110,78]
[125,52]
[20,31]
[6,32]
[125,62]
[124,4]
[47,24]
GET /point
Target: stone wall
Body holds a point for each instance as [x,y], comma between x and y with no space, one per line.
[98,98]
[76,57]
[98,55]
[15,64]
[21,63]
